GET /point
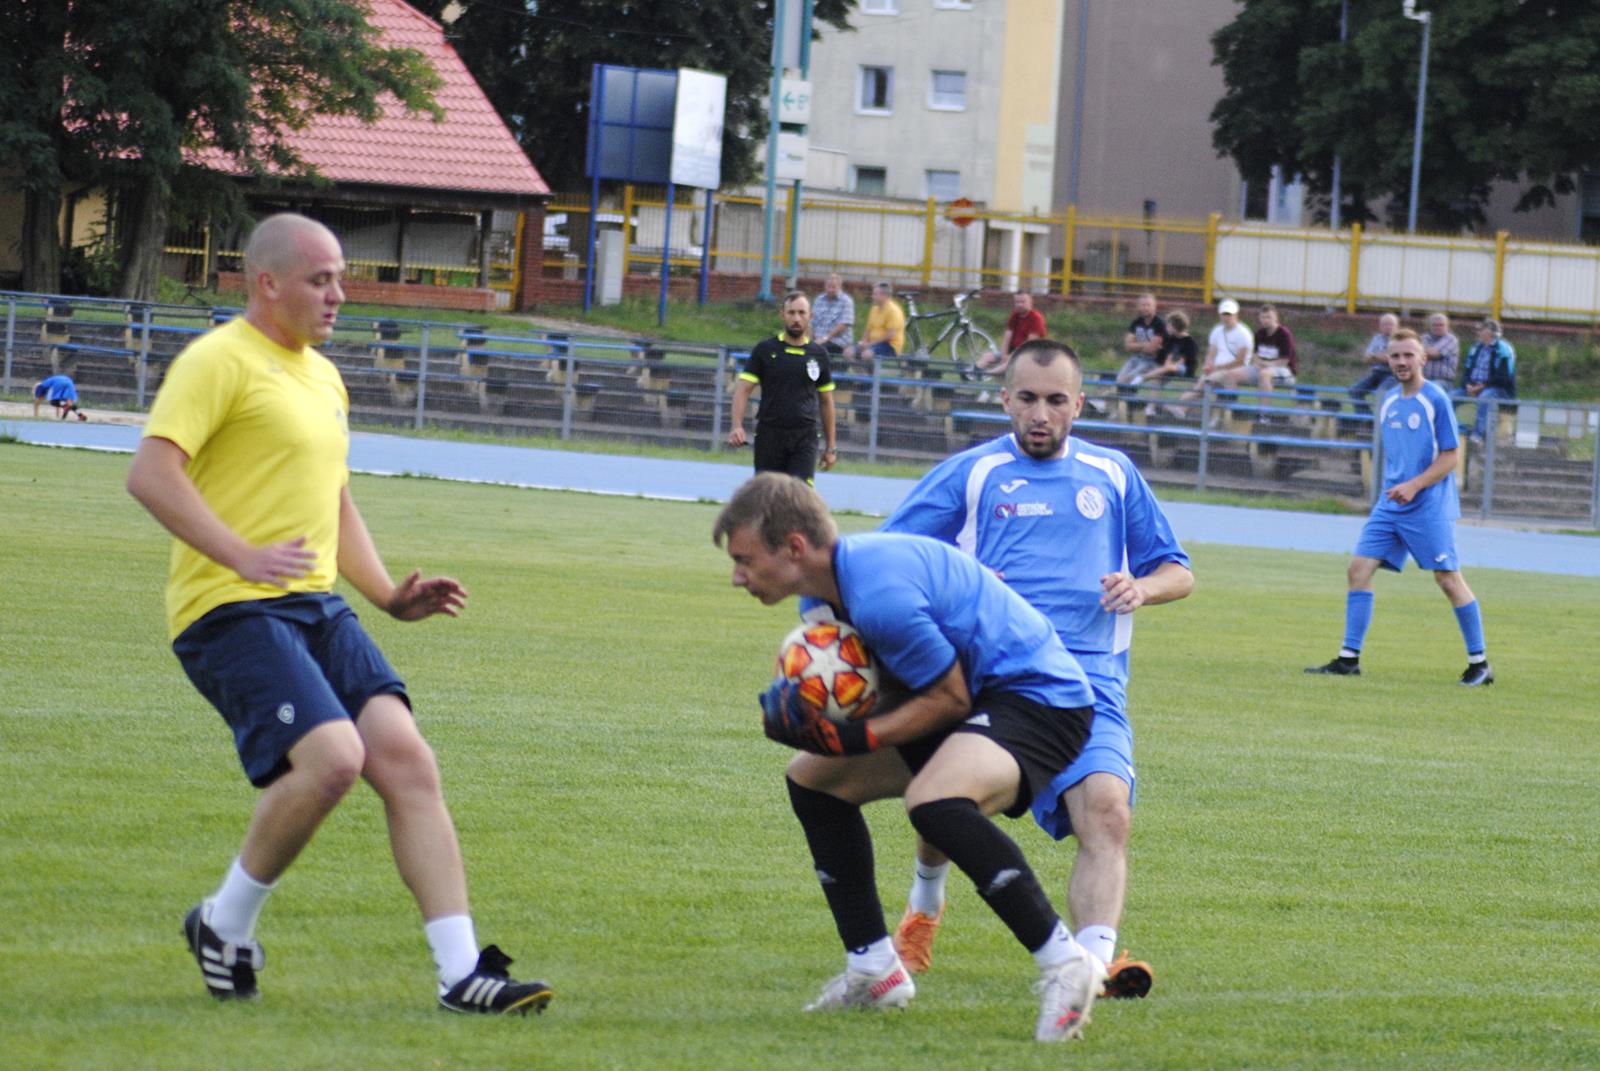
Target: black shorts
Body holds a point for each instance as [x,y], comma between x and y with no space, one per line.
[791,450]
[1044,740]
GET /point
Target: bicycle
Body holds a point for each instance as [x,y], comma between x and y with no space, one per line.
[968,342]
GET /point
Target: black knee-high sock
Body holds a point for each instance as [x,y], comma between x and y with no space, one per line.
[841,848]
[994,863]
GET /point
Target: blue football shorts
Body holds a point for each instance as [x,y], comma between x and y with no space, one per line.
[1109,748]
[277,668]
[1429,539]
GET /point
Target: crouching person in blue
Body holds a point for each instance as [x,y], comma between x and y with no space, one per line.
[996,709]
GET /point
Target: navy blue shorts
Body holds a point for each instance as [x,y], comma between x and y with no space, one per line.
[277,668]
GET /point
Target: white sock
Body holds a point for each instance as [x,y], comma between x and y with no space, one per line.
[1058,948]
[927,888]
[454,945]
[874,958]
[1099,940]
[233,910]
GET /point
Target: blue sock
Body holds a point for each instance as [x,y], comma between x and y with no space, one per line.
[1471,622]
[1357,616]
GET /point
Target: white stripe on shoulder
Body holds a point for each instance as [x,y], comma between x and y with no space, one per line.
[967,538]
[1119,479]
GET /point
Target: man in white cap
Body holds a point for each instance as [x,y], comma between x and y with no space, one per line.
[1229,353]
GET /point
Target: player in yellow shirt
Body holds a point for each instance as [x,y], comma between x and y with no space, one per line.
[243,460]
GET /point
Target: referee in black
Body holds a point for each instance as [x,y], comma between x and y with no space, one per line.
[796,384]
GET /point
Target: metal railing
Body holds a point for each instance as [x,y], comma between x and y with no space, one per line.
[1541,459]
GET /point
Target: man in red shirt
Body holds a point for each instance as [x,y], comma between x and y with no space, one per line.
[1024,323]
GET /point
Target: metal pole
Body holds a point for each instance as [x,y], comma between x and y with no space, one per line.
[594,183]
[794,213]
[705,245]
[1077,104]
[666,259]
[872,412]
[1426,18]
[765,293]
[569,394]
[1333,212]
[1488,458]
[1205,441]
[1594,484]
[11,337]
[144,353]
[422,381]
[720,390]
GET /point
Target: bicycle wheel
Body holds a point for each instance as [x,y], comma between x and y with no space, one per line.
[966,346]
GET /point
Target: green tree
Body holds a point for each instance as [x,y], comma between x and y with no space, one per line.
[533,61]
[1509,85]
[125,95]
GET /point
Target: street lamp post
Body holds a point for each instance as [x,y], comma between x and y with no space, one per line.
[1426,18]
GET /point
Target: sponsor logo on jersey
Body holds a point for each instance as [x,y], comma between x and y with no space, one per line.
[1007,510]
[1091,503]
[1010,486]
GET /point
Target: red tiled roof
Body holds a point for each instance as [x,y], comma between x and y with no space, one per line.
[470,150]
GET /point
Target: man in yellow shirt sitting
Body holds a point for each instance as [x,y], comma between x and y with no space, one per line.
[885,335]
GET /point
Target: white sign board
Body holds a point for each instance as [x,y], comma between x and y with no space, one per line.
[791,157]
[794,102]
[697,129]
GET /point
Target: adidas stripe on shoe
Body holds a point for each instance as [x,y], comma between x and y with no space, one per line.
[490,990]
[228,969]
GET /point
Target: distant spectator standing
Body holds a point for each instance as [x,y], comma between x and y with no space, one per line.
[1143,342]
[1275,357]
[60,392]
[885,336]
[1025,322]
[833,317]
[1230,352]
[1443,350]
[796,380]
[1377,354]
[1490,371]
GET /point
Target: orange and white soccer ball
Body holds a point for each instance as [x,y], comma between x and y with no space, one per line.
[835,672]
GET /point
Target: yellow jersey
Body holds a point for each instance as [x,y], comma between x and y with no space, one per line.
[268,437]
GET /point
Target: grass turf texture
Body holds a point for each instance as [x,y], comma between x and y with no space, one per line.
[1384,872]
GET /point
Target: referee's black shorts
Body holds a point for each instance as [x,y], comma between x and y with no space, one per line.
[791,450]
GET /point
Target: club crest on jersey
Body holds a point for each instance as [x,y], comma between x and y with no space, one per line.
[1091,503]
[1414,421]
[813,369]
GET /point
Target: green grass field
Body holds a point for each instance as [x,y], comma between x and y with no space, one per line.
[1390,872]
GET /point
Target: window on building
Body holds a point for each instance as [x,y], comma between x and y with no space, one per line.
[958,5]
[947,90]
[880,7]
[943,185]
[873,180]
[877,90]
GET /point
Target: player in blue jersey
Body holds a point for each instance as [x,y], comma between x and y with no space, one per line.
[1416,514]
[1076,531]
[61,393]
[996,707]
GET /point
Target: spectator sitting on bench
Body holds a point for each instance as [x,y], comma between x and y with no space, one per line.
[885,336]
[1377,377]
[1230,354]
[833,317]
[1275,357]
[1025,322]
[1442,348]
[59,391]
[1490,371]
[1180,354]
[1143,343]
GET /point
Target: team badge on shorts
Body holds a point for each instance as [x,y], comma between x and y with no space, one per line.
[1091,503]
[813,370]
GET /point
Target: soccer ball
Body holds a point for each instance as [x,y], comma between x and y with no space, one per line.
[836,674]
